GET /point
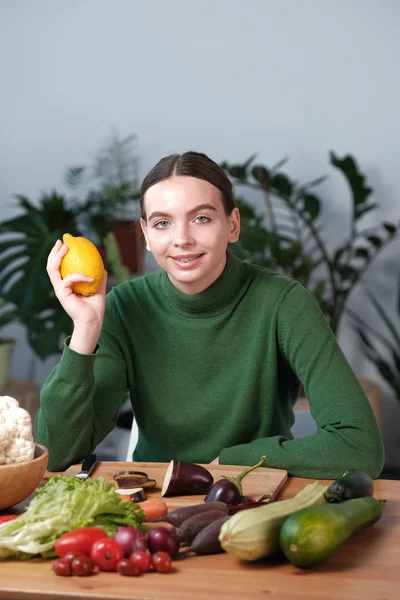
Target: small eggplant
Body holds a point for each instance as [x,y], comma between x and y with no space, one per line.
[352,484]
[182,479]
[129,479]
[229,489]
[137,494]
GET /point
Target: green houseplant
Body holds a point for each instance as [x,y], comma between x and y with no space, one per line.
[289,236]
[111,203]
[7,316]
[25,242]
[381,349]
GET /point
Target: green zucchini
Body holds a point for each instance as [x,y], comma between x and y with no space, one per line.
[311,535]
[254,533]
[353,484]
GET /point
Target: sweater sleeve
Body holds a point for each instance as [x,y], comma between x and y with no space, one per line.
[347,434]
[80,400]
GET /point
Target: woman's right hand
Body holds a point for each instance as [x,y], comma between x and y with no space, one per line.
[86,312]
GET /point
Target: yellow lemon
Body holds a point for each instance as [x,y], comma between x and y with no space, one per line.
[82,257]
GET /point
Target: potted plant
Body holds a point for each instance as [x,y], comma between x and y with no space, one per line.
[381,349]
[7,316]
[111,202]
[25,242]
[289,236]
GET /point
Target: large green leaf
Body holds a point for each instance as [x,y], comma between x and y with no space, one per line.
[356,180]
[25,243]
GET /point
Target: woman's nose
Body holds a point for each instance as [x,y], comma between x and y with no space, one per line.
[183,236]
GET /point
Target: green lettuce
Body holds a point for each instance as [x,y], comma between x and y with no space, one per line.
[62,504]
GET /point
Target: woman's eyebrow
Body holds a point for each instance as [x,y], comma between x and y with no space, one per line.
[159,214]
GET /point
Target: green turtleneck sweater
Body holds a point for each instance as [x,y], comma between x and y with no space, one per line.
[213,374]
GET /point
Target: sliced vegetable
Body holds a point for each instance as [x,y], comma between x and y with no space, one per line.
[133,479]
[188,530]
[254,533]
[207,540]
[186,478]
[353,484]
[310,536]
[177,516]
[229,489]
[133,494]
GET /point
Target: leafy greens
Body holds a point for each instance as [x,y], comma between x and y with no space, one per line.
[63,504]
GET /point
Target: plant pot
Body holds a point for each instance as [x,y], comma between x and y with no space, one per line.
[6,351]
[130,242]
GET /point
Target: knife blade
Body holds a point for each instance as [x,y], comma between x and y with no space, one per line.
[87,466]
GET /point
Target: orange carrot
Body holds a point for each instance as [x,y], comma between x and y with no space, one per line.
[154,509]
[125,497]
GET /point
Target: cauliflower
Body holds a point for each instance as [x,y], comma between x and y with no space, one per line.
[16,436]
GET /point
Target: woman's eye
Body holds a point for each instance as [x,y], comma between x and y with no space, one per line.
[161,225]
[203,219]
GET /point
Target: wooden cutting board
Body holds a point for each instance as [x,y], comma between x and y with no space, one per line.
[219,577]
[256,484]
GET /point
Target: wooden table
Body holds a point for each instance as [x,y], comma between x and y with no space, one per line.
[367,567]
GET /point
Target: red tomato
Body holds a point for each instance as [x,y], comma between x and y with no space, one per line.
[82,566]
[161,562]
[140,560]
[79,540]
[106,554]
[5,518]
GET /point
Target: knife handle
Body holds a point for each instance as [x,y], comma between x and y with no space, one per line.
[89,463]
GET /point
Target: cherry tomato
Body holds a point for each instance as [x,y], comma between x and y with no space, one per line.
[6,518]
[62,567]
[161,562]
[82,566]
[79,540]
[124,567]
[71,555]
[141,560]
[106,554]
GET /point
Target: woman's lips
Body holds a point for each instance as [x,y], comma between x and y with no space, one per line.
[187,261]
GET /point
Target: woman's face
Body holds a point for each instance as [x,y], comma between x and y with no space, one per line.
[187,231]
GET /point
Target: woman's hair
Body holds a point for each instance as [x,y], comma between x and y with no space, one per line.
[193,164]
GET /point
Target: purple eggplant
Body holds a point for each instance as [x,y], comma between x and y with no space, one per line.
[229,489]
[182,479]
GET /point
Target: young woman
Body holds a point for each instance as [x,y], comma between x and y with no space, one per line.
[211,349]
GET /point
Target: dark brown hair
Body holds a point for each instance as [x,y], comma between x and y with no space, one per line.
[193,164]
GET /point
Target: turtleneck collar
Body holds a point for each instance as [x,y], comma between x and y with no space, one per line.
[213,298]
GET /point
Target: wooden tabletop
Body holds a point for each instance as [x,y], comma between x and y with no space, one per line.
[367,567]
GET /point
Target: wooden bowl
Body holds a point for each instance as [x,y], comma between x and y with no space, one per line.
[19,480]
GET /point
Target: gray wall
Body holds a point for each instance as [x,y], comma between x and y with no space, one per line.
[278,77]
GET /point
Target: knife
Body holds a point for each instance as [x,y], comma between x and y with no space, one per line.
[87,466]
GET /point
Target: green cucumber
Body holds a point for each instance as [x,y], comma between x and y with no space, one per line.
[311,535]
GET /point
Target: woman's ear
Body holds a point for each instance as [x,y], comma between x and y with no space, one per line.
[143,226]
[234,226]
